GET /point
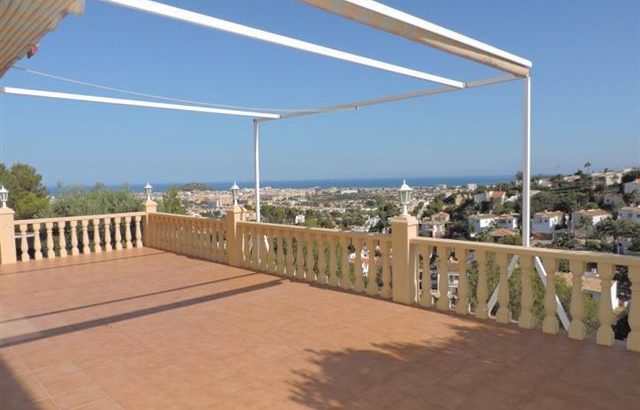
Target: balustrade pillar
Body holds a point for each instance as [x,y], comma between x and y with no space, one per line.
[117,232]
[7,237]
[234,240]
[403,229]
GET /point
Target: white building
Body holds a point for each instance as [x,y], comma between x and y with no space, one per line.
[607,178]
[629,187]
[489,196]
[507,221]
[583,221]
[544,224]
[433,229]
[300,219]
[481,222]
[629,213]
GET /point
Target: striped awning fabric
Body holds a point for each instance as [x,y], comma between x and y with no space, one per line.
[394,21]
[23,23]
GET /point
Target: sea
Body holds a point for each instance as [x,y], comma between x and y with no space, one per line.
[414,182]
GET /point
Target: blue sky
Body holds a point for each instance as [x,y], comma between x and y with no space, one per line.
[586,95]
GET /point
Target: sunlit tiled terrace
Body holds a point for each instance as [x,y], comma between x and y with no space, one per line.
[147,329]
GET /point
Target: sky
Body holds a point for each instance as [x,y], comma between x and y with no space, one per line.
[585,98]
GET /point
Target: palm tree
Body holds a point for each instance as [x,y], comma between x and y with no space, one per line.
[587,166]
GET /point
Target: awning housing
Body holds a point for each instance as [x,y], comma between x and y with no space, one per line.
[23,23]
[394,21]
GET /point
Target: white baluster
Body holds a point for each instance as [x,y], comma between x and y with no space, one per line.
[577,330]
[84,224]
[426,298]
[526,319]
[74,237]
[51,252]
[24,243]
[127,232]
[333,261]
[108,246]
[37,245]
[550,323]
[138,232]
[62,240]
[504,313]
[118,232]
[443,275]
[462,304]
[97,245]
[605,336]
[372,270]
[358,276]
[483,289]
[386,269]
[633,339]
[345,280]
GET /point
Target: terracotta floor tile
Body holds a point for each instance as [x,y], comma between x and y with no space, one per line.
[146,329]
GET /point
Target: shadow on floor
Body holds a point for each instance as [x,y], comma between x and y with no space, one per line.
[144,295]
[70,261]
[473,367]
[30,337]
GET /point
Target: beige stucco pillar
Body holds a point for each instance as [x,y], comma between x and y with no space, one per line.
[149,207]
[403,229]
[235,214]
[7,237]
[633,339]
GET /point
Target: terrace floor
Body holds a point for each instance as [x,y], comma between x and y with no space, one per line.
[147,329]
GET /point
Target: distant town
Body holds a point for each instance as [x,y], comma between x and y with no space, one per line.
[585,210]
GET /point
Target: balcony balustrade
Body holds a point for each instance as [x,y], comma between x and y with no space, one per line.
[398,266]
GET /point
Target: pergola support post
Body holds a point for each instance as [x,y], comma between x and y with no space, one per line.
[256,165]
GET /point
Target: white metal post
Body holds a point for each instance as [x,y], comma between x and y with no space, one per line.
[256,165]
[526,164]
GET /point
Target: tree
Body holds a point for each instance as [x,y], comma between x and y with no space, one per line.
[170,202]
[27,196]
[587,166]
[631,175]
[99,200]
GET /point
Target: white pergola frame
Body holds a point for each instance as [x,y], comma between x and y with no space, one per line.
[368,12]
[378,16]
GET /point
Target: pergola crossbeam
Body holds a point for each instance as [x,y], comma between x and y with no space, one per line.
[136,103]
[397,97]
[188,16]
